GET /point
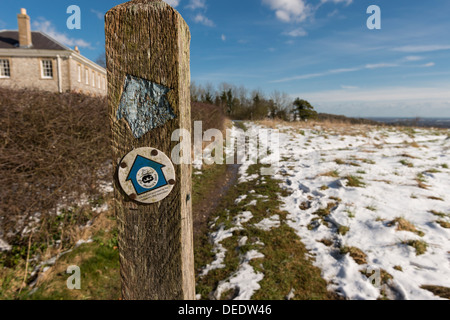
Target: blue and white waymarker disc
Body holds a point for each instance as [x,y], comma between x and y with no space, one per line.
[147,175]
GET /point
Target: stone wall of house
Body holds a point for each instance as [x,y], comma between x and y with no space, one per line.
[26,73]
[78,81]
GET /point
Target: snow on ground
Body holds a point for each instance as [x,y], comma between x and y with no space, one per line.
[4,246]
[246,279]
[403,175]
[353,188]
[268,224]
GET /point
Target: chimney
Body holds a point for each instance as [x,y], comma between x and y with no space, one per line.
[24,29]
[77,50]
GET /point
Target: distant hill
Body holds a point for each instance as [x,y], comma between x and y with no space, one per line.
[340,118]
[401,122]
[415,122]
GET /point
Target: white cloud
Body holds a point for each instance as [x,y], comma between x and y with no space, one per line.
[200,7]
[45,26]
[200,18]
[224,37]
[379,94]
[413,58]
[346,2]
[333,13]
[337,71]
[349,87]
[429,64]
[196,4]
[380,65]
[100,15]
[298,10]
[319,74]
[299,32]
[290,10]
[426,48]
[173,3]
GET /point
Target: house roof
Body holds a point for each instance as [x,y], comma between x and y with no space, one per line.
[10,40]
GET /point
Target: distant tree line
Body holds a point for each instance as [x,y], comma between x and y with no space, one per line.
[239,103]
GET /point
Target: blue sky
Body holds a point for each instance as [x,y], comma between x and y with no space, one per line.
[319,50]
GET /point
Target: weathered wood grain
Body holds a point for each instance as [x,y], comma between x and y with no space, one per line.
[150,40]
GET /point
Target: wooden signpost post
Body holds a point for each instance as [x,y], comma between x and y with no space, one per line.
[147,50]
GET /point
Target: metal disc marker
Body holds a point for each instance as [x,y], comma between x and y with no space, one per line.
[146,175]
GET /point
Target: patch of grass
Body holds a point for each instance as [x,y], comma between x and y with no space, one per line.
[404,225]
[11,274]
[419,245]
[11,279]
[409,131]
[324,188]
[442,292]
[433,170]
[444,224]
[398,268]
[435,198]
[406,163]
[420,177]
[343,230]
[357,254]
[350,214]
[100,276]
[368,161]
[286,252]
[282,249]
[323,212]
[439,214]
[371,208]
[240,125]
[385,181]
[202,183]
[326,242]
[354,164]
[99,266]
[354,181]
[334,174]
[444,166]
[407,155]
[422,185]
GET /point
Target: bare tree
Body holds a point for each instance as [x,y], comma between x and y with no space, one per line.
[101,60]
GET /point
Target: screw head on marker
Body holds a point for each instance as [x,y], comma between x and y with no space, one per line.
[146,175]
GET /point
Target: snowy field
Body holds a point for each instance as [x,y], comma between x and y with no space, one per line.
[372,205]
